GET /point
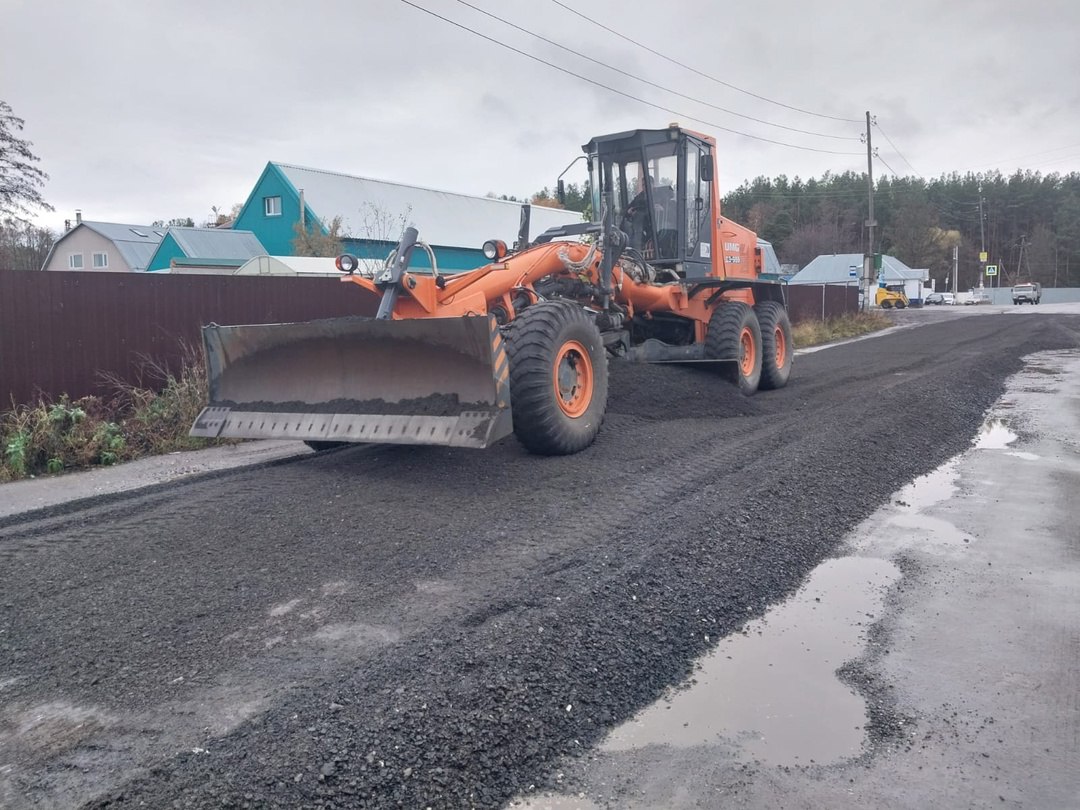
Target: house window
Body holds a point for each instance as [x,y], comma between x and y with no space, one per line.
[272,206]
[75,261]
[101,261]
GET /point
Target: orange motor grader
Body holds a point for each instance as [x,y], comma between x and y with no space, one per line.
[521,344]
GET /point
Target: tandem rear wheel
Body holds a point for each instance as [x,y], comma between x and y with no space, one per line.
[734,335]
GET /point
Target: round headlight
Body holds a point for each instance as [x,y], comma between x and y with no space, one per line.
[347,263]
[494,249]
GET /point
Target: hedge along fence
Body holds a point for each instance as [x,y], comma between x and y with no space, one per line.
[71,332]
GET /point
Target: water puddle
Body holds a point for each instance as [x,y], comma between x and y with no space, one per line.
[994,435]
[773,689]
[928,490]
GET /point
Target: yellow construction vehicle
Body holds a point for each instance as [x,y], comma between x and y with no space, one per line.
[522,344]
[890,297]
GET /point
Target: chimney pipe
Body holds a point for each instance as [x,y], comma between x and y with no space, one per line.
[303,222]
[78,216]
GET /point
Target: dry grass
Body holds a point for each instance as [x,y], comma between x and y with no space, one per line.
[51,436]
[814,333]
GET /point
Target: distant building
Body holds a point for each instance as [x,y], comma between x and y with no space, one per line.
[846,268]
[104,246]
[207,250]
[375,212]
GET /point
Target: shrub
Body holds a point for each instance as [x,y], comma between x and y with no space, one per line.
[136,421]
[813,333]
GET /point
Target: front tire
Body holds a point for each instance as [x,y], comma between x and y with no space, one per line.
[735,335]
[777,346]
[558,378]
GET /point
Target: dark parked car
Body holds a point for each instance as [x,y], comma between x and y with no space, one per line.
[935,298]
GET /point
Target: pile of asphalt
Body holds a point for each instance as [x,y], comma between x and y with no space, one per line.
[599,579]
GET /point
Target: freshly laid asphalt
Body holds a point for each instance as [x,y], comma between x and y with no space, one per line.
[414,627]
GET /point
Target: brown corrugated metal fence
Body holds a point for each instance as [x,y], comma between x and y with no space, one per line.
[60,331]
[819,302]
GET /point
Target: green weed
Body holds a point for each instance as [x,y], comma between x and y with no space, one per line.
[137,420]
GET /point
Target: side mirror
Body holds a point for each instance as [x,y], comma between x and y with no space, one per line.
[561,192]
[705,167]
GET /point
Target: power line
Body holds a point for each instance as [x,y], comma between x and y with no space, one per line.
[652,83]
[701,73]
[1029,155]
[887,166]
[945,196]
[896,149]
[630,96]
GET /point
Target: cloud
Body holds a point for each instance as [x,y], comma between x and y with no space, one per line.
[152,110]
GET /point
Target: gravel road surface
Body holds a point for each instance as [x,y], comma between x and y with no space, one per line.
[430,627]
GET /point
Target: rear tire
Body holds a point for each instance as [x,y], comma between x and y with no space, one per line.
[777,347]
[735,334]
[558,378]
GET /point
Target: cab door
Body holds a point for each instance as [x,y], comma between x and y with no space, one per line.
[696,216]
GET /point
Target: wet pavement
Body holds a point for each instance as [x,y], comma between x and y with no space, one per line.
[338,628]
[937,663]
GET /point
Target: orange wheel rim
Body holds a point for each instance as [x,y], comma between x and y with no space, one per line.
[781,347]
[573,379]
[747,352]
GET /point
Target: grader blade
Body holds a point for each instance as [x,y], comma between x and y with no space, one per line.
[442,381]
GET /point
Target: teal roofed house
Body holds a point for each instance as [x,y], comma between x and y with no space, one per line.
[207,250]
[375,212]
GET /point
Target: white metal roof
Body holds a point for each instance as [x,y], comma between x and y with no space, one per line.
[835,268]
[295,266]
[380,210]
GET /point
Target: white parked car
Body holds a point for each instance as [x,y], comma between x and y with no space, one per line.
[941,298]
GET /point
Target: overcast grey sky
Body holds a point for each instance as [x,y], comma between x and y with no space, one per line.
[153,109]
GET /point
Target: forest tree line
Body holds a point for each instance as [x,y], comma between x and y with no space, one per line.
[1030,222]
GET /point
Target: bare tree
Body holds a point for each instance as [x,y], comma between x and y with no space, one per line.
[20,179]
[379,225]
[23,246]
[219,217]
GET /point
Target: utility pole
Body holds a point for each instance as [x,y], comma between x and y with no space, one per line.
[868,257]
[982,238]
[955,268]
